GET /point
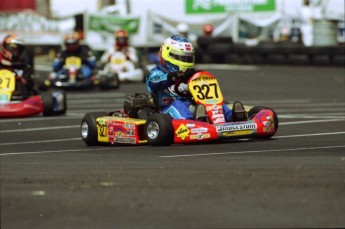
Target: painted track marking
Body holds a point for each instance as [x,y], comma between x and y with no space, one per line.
[40,128]
[253,151]
[78,126]
[80,139]
[63,151]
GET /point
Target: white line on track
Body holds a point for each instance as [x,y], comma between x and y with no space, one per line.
[67,150]
[40,128]
[41,141]
[78,126]
[253,151]
[311,121]
[309,135]
[80,139]
[69,115]
[305,116]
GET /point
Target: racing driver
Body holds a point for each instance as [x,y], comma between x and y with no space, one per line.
[73,48]
[165,81]
[11,58]
[121,45]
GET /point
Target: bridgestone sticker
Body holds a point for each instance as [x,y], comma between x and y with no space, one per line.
[236,127]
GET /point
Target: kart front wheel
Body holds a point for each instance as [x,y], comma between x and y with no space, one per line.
[88,127]
[255,110]
[159,130]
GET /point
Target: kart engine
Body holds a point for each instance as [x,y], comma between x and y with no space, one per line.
[138,105]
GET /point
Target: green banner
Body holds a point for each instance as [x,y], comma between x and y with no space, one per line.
[109,23]
[223,6]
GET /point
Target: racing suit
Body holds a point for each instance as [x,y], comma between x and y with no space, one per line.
[130,52]
[86,55]
[160,82]
[24,87]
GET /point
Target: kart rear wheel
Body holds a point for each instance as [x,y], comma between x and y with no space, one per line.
[115,81]
[109,81]
[48,103]
[88,127]
[159,130]
[54,102]
[252,112]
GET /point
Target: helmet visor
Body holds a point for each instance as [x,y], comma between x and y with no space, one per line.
[183,58]
[15,49]
[121,40]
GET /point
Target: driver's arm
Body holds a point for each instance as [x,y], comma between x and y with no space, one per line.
[89,59]
[58,62]
[159,80]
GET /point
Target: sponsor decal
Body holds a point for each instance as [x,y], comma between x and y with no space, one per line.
[130,132]
[119,133]
[116,123]
[124,140]
[128,125]
[190,125]
[182,132]
[199,130]
[203,78]
[235,127]
[217,111]
[101,121]
[223,6]
[219,120]
[268,125]
[188,47]
[107,23]
[217,116]
[200,136]
[214,108]
[236,133]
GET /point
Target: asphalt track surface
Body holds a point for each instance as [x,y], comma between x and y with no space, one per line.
[51,179]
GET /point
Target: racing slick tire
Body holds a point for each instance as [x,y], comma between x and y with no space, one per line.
[54,103]
[159,129]
[48,103]
[109,81]
[252,112]
[88,128]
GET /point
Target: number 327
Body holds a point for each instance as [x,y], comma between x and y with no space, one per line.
[206,91]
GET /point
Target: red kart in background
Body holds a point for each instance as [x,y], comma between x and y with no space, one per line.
[14,105]
[141,122]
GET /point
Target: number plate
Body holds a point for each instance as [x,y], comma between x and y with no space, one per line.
[205,89]
[7,80]
[73,61]
[7,85]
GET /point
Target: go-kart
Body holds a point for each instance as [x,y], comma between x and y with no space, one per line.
[72,77]
[141,122]
[119,66]
[13,104]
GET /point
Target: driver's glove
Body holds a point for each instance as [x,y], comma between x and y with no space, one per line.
[183,88]
[174,76]
[189,72]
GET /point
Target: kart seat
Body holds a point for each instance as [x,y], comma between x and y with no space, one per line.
[238,112]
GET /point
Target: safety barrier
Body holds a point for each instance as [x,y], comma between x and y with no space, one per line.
[223,50]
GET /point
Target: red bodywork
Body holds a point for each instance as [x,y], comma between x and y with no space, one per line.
[28,107]
[196,131]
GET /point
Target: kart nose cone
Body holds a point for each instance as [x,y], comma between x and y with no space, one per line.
[152,130]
